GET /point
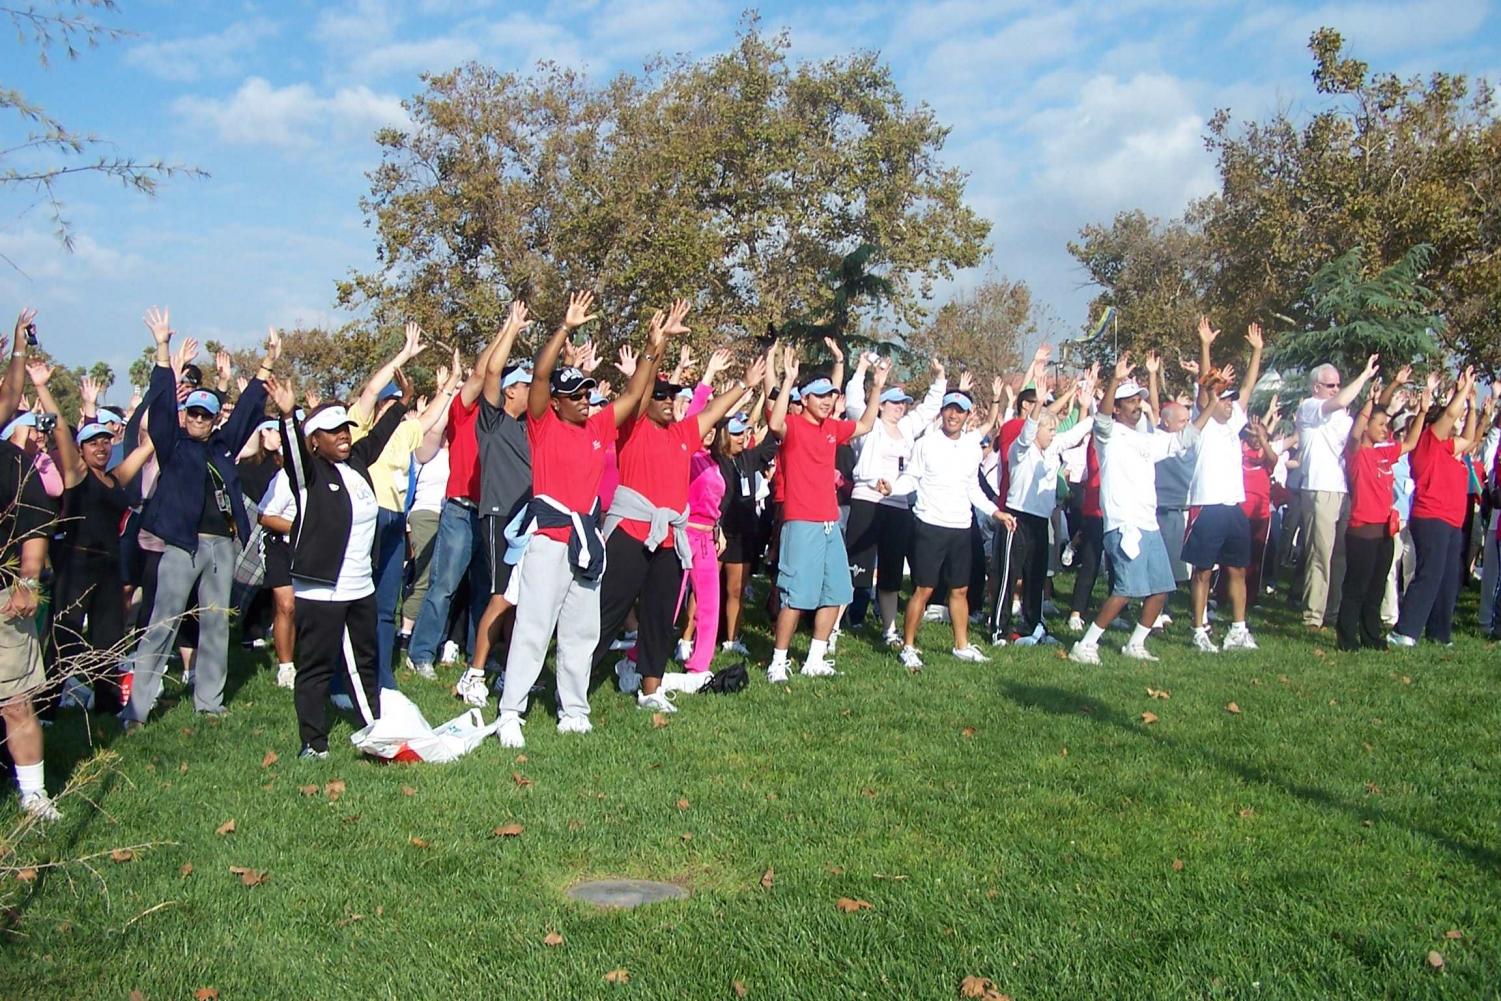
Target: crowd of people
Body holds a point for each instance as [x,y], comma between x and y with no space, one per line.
[526,505]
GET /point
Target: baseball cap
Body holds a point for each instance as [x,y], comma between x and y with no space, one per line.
[1229,393]
[896,394]
[821,386]
[960,400]
[268,425]
[597,399]
[192,375]
[684,393]
[568,380]
[664,390]
[26,420]
[1129,388]
[737,424]
[391,392]
[108,415]
[514,374]
[202,399]
[329,417]
[91,431]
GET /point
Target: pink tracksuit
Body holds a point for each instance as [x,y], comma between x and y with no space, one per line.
[705,492]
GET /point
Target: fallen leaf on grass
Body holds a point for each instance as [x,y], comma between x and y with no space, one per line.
[135,996]
[851,906]
[1318,651]
[353,818]
[1435,959]
[408,791]
[269,760]
[248,876]
[981,987]
[739,988]
[182,768]
[683,804]
[228,827]
[1404,679]
[968,731]
[767,878]
[1247,812]
[310,790]
[552,940]
[1148,718]
[1177,865]
[206,994]
[521,780]
[618,976]
[120,855]
[27,875]
[686,835]
[1232,708]
[520,759]
[1454,933]
[417,842]
[348,920]
[334,789]
[574,824]
[1063,753]
[658,720]
[868,792]
[511,830]
[1159,693]
[186,870]
[834,870]
[1372,789]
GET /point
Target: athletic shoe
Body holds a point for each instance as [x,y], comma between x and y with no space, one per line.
[996,639]
[777,673]
[187,678]
[892,639]
[1203,643]
[424,671]
[1075,623]
[684,681]
[818,669]
[1085,653]
[911,659]
[735,647]
[342,702]
[971,654]
[1067,557]
[622,643]
[684,650]
[509,731]
[656,701]
[627,676]
[1137,651]
[1239,639]
[833,640]
[40,806]
[308,754]
[935,613]
[471,688]
[286,676]
[1395,638]
[1163,621]
[450,652]
[575,724]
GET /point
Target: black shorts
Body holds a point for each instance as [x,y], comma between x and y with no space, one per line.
[494,530]
[879,538]
[940,556]
[737,549]
[278,554]
[1218,533]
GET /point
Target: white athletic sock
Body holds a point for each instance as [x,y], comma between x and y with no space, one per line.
[475,672]
[287,663]
[1238,627]
[816,650]
[1092,635]
[1139,634]
[779,658]
[29,779]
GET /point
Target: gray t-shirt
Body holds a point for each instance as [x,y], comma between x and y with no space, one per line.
[505,462]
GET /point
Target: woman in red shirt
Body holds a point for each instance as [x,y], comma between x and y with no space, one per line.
[1440,492]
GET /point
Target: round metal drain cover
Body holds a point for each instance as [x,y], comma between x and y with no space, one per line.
[626,893]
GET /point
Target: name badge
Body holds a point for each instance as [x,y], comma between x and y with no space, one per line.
[745,486]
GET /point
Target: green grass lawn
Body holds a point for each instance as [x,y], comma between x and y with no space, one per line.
[1016,821]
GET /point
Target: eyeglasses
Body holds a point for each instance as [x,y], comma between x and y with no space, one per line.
[582,394]
[199,415]
[1329,385]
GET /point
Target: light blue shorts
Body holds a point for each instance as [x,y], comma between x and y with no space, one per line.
[813,567]
[1149,573]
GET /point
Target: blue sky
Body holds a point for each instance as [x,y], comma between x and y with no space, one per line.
[1063,114]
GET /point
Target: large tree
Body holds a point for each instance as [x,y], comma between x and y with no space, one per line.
[740,181]
[987,329]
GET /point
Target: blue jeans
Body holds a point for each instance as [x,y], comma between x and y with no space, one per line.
[458,549]
[390,560]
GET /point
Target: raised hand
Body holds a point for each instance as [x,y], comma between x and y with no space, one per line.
[579,304]
[625,359]
[604,388]
[1123,366]
[674,326]
[1153,362]
[158,321]
[1431,382]
[517,319]
[1399,399]
[185,354]
[313,399]
[135,397]
[1228,374]
[88,390]
[273,346]
[937,366]
[282,395]
[440,378]
[833,347]
[402,383]
[755,372]
[224,365]
[241,383]
[412,345]
[790,362]
[1189,365]
[997,387]
[39,371]
[1253,336]
[587,357]
[1207,334]
[883,369]
[1371,368]
[719,360]
[966,380]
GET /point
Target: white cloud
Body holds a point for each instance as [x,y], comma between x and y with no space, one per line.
[216,54]
[431,54]
[294,117]
[1371,28]
[38,256]
[360,24]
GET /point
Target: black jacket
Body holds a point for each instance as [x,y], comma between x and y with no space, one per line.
[737,511]
[320,532]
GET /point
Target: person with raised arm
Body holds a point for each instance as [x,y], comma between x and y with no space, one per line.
[556,544]
[1005,573]
[813,565]
[1129,451]
[198,511]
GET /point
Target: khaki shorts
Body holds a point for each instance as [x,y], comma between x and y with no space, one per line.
[21,670]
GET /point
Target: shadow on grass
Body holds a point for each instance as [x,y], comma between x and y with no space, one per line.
[1063,702]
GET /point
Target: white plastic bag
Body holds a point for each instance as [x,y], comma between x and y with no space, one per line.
[402,734]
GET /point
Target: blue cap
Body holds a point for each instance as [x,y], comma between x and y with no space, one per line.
[391,392]
[203,400]
[268,425]
[960,400]
[26,420]
[109,415]
[738,424]
[91,431]
[514,374]
[895,395]
[686,393]
[821,386]
[597,399]
[796,396]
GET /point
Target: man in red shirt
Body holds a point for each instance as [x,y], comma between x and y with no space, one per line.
[813,569]
[561,554]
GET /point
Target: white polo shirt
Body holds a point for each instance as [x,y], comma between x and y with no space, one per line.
[1217,475]
[1323,438]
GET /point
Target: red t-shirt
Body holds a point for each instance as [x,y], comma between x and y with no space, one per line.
[806,465]
[1371,483]
[1256,476]
[567,460]
[1440,481]
[1091,502]
[1010,431]
[463,450]
[655,462]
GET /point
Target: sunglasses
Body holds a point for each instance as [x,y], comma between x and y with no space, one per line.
[197,414]
[1329,385]
[576,395]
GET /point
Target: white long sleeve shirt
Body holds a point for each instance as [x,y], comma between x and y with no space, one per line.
[885,451]
[1128,474]
[1033,477]
[945,473]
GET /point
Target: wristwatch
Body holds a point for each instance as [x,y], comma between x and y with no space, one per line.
[29,583]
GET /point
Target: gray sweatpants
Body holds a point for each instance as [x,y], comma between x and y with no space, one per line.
[212,568]
[551,598]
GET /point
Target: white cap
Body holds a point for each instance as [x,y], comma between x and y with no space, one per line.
[328,418]
[1129,388]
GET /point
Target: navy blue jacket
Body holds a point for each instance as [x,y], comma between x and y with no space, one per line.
[175,509]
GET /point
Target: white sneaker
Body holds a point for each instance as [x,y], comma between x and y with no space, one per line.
[997,640]
[1163,621]
[341,702]
[657,702]
[622,644]
[576,724]
[1395,638]
[1067,557]
[684,681]
[833,641]
[971,654]
[911,659]
[450,652]
[735,647]
[1239,639]
[935,613]
[1085,653]
[1137,651]
[818,669]
[425,671]
[286,676]
[471,688]
[684,651]
[627,676]
[509,732]
[1075,623]
[1203,643]
[892,639]
[777,673]
[40,806]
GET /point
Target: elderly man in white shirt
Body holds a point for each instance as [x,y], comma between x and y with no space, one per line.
[1324,423]
[1129,454]
[945,473]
